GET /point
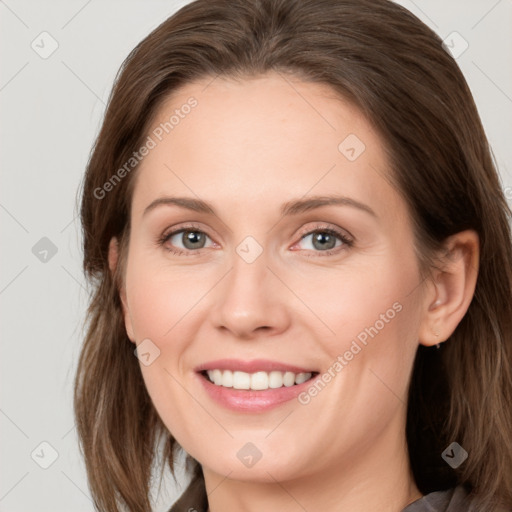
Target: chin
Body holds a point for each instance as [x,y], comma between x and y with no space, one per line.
[247,463]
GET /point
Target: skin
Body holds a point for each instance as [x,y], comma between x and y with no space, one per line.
[248,147]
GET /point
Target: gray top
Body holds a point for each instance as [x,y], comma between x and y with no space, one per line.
[452,500]
[455,499]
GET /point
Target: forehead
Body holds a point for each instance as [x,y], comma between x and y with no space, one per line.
[262,137]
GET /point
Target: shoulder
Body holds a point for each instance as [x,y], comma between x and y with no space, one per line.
[193,499]
[455,499]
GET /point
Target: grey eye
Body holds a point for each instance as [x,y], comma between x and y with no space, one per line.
[189,239]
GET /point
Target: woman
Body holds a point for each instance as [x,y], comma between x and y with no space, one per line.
[292,218]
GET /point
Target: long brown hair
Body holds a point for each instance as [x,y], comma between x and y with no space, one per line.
[390,65]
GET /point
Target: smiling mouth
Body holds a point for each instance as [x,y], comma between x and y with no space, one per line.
[257,381]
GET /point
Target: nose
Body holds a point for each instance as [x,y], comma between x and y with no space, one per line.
[251,301]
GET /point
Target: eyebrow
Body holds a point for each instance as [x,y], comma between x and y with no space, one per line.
[289,208]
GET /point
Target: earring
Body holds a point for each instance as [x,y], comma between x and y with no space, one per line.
[436,334]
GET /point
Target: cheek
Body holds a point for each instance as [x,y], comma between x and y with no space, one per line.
[159,298]
[369,357]
[161,305]
[359,298]
[373,317]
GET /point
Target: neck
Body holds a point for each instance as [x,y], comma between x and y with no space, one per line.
[377,477]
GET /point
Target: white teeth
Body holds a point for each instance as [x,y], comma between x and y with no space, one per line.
[241,380]
[302,377]
[258,380]
[217,377]
[289,379]
[275,380]
[227,379]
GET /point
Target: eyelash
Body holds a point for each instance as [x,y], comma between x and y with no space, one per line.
[347,242]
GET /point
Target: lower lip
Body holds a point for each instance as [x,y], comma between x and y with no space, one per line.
[241,400]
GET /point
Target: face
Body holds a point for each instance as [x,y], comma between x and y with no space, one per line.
[268,251]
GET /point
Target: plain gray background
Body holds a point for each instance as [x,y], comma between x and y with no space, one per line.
[51,110]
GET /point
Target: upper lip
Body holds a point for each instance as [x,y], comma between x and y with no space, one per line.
[253,366]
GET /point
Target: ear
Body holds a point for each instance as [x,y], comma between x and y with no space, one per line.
[113,259]
[451,289]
